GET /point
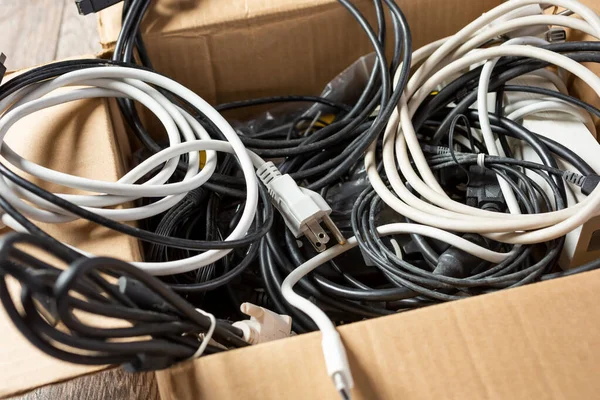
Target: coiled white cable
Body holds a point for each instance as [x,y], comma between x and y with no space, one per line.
[440,62]
[134,84]
[431,206]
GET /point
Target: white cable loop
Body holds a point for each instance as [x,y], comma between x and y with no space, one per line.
[122,82]
[430,205]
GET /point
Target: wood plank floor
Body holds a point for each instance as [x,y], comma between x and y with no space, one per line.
[34,32]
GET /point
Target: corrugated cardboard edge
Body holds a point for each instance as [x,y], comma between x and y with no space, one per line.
[533,342]
[231,16]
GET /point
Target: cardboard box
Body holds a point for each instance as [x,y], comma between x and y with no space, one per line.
[538,341]
[533,342]
[242,49]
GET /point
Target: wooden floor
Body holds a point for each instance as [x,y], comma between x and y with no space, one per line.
[34,32]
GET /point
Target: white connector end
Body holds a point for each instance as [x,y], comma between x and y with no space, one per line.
[337,364]
[525,11]
[264,325]
[303,210]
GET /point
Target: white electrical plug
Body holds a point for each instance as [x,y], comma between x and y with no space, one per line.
[264,325]
[303,210]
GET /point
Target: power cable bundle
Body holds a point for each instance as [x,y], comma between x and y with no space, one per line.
[172,184]
[444,207]
[175,332]
[142,304]
[481,218]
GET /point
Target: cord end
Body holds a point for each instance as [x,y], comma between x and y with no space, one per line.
[264,325]
[556,35]
[341,386]
[337,363]
[303,210]
[589,184]
[2,66]
[86,7]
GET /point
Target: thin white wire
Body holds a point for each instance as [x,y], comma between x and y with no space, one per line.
[190,180]
[320,318]
[208,336]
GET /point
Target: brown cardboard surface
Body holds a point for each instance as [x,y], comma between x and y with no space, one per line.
[79,138]
[536,342]
[242,49]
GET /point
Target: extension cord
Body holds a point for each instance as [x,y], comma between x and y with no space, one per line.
[583,243]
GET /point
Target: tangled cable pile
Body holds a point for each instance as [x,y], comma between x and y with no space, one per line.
[428,184]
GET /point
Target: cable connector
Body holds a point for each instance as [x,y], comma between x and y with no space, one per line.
[589,184]
[303,210]
[264,325]
[2,66]
[457,263]
[483,190]
[574,178]
[435,149]
[86,7]
[337,364]
[556,35]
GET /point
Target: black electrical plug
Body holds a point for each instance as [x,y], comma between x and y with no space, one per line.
[2,66]
[457,263]
[86,7]
[483,190]
[589,184]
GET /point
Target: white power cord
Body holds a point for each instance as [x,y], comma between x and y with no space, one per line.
[135,84]
[336,360]
[437,209]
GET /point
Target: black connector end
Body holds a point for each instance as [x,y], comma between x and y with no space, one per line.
[147,363]
[483,190]
[143,297]
[2,66]
[589,184]
[456,263]
[86,7]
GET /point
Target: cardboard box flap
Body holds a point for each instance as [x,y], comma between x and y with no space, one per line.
[256,48]
[533,342]
[84,129]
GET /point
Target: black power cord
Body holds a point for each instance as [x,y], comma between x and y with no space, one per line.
[86,286]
